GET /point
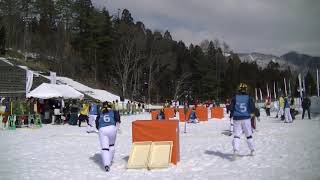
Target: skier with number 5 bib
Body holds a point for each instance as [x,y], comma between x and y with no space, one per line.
[242,107]
[107,122]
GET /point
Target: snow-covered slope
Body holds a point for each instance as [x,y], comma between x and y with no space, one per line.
[263,60]
[283,151]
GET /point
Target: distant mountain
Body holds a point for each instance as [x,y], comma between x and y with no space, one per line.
[296,62]
[303,60]
[263,60]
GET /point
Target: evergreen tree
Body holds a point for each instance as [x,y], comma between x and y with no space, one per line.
[9,11]
[231,80]
[47,14]
[2,40]
[65,10]
[83,10]
[126,17]
[99,43]
[167,36]
[310,84]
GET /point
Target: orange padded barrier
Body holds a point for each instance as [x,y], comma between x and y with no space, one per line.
[168,113]
[202,113]
[182,115]
[146,130]
[154,115]
[217,113]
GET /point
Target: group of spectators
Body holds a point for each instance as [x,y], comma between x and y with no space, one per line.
[286,108]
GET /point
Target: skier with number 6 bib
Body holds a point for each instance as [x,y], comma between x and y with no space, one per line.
[107,122]
[242,106]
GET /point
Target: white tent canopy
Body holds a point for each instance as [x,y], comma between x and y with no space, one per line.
[101,95]
[47,91]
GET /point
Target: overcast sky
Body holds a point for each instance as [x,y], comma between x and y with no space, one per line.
[266,26]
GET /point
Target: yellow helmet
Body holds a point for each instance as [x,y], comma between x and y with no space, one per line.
[107,104]
[243,87]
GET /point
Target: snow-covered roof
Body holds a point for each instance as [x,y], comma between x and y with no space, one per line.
[47,91]
[6,61]
[99,94]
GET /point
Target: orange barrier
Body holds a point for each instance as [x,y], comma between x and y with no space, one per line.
[217,113]
[168,113]
[202,113]
[154,115]
[146,130]
[182,115]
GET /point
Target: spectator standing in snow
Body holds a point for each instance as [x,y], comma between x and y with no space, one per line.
[306,103]
[186,109]
[128,108]
[276,107]
[139,107]
[228,106]
[116,105]
[254,118]
[267,105]
[161,115]
[242,109]
[292,108]
[166,104]
[193,116]
[142,106]
[287,114]
[117,116]
[93,113]
[176,107]
[107,122]
[133,107]
[74,109]
[84,114]
[281,108]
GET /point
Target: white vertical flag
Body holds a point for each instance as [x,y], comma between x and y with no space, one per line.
[285,86]
[304,87]
[260,94]
[274,90]
[318,82]
[29,81]
[300,86]
[268,93]
[289,88]
[256,94]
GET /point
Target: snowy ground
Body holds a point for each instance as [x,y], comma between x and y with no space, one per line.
[284,151]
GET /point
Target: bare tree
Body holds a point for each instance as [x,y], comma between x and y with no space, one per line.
[216,43]
[179,85]
[126,61]
[158,59]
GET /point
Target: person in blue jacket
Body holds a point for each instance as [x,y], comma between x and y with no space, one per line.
[107,122]
[193,116]
[93,113]
[242,109]
[161,115]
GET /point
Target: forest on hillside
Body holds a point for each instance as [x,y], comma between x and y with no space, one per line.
[120,54]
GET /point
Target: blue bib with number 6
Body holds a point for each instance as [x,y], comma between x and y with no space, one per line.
[242,106]
[106,119]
